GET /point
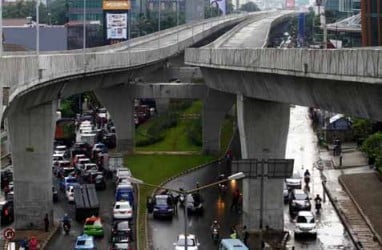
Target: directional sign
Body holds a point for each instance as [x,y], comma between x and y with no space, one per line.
[9,233]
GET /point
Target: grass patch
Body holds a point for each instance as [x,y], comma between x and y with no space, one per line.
[155,169]
[175,139]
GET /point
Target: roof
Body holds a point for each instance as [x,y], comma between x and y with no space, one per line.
[350,24]
[335,118]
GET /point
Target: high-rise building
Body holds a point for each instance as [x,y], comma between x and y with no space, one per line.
[371,16]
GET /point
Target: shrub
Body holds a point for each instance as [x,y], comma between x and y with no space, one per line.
[194,132]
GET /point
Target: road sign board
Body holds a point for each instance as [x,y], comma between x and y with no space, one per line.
[9,233]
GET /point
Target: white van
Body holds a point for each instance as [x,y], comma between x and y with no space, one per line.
[232,244]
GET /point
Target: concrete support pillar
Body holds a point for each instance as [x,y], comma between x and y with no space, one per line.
[31,132]
[263,128]
[215,106]
[119,101]
[162,105]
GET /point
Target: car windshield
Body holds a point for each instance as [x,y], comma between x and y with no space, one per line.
[190,242]
[71,180]
[122,226]
[301,196]
[303,219]
[84,242]
[161,201]
[122,206]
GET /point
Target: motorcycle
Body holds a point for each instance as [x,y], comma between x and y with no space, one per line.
[318,206]
[66,227]
[222,187]
[215,235]
[307,179]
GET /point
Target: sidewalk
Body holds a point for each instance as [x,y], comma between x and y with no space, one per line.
[356,193]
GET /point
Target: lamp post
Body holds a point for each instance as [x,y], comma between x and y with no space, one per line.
[325,31]
[185,193]
[159,7]
[1,27]
[37,27]
[84,34]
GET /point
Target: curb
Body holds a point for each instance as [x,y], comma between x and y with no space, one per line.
[376,235]
[342,218]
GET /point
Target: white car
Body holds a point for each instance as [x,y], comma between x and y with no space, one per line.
[305,224]
[192,242]
[70,194]
[122,210]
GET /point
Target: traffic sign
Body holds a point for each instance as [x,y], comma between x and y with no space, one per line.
[9,233]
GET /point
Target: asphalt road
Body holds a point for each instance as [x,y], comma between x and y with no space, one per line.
[302,146]
[64,242]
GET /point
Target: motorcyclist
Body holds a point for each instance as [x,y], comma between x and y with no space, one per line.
[215,225]
[307,173]
[66,221]
[318,201]
[221,185]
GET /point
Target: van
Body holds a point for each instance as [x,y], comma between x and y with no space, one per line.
[232,244]
[125,192]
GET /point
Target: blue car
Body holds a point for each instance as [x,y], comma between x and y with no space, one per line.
[85,241]
[68,181]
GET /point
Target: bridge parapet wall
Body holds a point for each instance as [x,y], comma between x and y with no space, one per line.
[356,65]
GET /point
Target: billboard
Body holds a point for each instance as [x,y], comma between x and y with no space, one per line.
[116,5]
[116,25]
[221,4]
[289,4]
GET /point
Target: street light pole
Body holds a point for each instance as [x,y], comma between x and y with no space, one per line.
[84,34]
[159,7]
[37,27]
[1,28]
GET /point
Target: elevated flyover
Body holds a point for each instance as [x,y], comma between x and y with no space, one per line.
[265,81]
[36,83]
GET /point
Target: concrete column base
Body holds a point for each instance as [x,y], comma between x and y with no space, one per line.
[31,132]
[119,101]
[125,145]
[162,105]
[263,128]
[215,107]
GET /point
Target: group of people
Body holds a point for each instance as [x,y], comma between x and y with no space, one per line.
[233,232]
[31,244]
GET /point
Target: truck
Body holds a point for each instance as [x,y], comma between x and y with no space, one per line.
[65,132]
[86,201]
[115,161]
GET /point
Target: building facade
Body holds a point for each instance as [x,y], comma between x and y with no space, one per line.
[371,16]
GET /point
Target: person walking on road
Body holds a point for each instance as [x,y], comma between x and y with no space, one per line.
[33,243]
[46,223]
[245,235]
[235,200]
[233,233]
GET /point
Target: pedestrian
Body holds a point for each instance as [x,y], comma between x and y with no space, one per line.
[33,243]
[233,233]
[235,200]
[245,235]
[24,244]
[46,222]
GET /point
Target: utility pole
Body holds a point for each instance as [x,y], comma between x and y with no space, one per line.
[1,28]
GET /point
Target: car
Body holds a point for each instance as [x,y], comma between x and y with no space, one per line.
[93,226]
[298,201]
[121,229]
[195,204]
[81,163]
[7,212]
[122,211]
[55,194]
[285,193]
[88,167]
[99,182]
[67,181]
[99,147]
[76,158]
[85,242]
[294,182]
[125,192]
[162,206]
[305,224]
[70,193]
[57,157]
[192,242]
[121,246]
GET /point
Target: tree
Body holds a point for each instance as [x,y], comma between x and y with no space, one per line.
[362,128]
[58,10]
[250,7]
[372,146]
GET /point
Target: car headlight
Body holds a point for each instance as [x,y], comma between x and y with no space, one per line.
[170,209]
[156,209]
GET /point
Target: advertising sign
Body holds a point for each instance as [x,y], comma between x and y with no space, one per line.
[289,4]
[116,25]
[221,4]
[116,4]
